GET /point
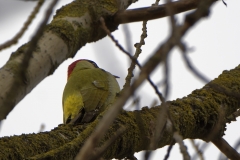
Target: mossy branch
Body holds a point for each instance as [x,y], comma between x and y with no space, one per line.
[195,116]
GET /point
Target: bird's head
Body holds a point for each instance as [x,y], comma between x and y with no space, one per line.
[81,64]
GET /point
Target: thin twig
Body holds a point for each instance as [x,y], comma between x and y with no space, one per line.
[237,144]
[198,151]
[147,155]
[136,55]
[135,102]
[15,39]
[190,65]
[166,80]
[178,138]
[225,148]
[104,27]
[150,13]
[202,149]
[169,150]
[181,45]
[164,115]
[134,59]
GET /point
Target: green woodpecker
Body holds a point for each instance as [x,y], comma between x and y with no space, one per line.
[89,90]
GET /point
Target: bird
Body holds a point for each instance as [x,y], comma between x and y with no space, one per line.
[89,91]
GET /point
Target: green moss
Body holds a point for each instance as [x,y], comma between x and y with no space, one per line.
[77,32]
[110,6]
[126,143]
[74,9]
[198,114]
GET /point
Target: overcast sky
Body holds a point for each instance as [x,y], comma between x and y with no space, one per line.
[214,44]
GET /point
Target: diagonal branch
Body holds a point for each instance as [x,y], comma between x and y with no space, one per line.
[150,13]
[225,148]
[15,39]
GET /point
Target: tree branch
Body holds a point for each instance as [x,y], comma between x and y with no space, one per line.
[225,148]
[150,13]
[194,116]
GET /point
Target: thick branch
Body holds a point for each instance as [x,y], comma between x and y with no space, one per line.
[194,116]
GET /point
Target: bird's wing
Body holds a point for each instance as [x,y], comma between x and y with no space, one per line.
[96,92]
[94,98]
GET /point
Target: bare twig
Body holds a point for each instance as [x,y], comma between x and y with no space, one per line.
[178,138]
[190,65]
[198,151]
[202,148]
[237,144]
[135,102]
[14,40]
[169,150]
[164,115]
[154,103]
[136,55]
[150,13]
[225,148]
[166,80]
[133,58]
[181,45]
[170,11]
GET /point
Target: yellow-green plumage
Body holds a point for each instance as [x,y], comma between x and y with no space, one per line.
[88,89]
